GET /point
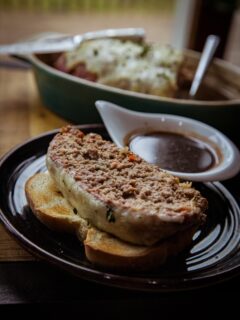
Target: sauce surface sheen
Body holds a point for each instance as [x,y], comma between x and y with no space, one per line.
[173,151]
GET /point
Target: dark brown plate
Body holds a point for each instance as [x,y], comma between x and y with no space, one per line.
[213,257]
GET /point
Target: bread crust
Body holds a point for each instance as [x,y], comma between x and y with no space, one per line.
[101,248]
[104,250]
[50,207]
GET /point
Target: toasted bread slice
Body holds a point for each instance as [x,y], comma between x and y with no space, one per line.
[51,208]
[105,250]
[101,248]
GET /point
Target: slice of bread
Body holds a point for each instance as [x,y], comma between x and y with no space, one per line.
[51,208]
[101,248]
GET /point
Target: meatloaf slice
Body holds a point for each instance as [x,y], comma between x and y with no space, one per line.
[118,192]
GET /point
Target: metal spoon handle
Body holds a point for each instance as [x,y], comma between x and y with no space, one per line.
[206,57]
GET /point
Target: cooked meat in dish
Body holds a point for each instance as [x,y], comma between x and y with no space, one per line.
[118,192]
[141,67]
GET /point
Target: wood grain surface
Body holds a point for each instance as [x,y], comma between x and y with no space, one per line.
[22,115]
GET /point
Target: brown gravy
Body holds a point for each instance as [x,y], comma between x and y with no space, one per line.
[173,151]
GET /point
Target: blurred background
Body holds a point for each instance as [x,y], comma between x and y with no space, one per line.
[183,23]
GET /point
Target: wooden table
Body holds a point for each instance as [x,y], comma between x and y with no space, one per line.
[25,280]
[22,116]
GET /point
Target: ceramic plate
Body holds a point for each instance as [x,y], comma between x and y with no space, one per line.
[213,257]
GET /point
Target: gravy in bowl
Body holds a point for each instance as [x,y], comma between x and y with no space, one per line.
[174,151]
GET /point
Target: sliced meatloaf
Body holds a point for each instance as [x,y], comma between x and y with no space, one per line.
[118,192]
